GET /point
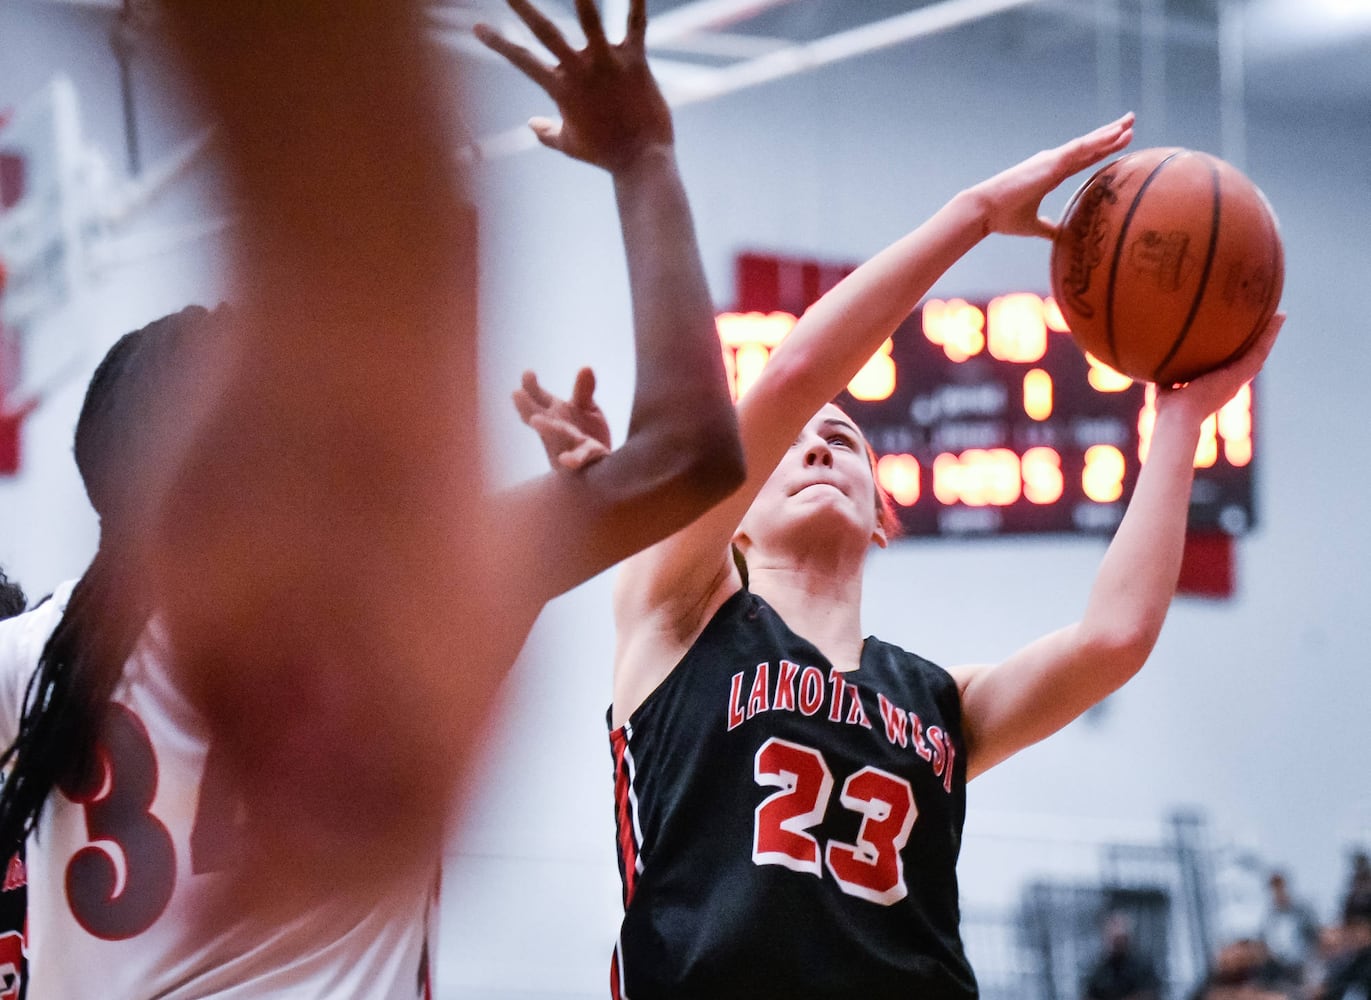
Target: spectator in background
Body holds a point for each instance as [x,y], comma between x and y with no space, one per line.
[1289,928]
[1357,899]
[1326,957]
[1244,970]
[12,600]
[1121,973]
[1349,972]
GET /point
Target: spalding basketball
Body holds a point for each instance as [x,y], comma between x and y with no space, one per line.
[1168,263]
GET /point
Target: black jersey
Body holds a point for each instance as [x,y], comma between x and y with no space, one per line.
[789,830]
[14,964]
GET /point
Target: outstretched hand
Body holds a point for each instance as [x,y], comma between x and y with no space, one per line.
[1011,199]
[574,432]
[612,109]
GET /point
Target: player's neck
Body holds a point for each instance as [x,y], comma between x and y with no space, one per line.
[822,606]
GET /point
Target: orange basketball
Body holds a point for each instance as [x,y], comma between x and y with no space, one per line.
[1168,264]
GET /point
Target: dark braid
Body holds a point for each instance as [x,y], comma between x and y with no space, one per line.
[12,599]
[69,694]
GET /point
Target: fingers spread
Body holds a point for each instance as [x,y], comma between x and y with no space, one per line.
[592,25]
[543,29]
[524,60]
[536,392]
[637,23]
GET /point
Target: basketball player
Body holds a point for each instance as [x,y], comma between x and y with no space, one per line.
[134,859]
[155,844]
[132,855]
[790,795]
[343,591]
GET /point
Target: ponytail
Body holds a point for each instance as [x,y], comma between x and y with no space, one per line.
[68,696]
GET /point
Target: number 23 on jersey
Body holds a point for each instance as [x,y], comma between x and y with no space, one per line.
[872,867]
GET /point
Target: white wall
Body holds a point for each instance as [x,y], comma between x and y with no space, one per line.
[1253,709]
[47,530]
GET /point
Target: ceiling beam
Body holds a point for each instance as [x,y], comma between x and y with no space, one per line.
[843,45]
[705,15]
[722,45]
[696,17]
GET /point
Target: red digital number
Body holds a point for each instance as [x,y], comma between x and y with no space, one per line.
[872,868]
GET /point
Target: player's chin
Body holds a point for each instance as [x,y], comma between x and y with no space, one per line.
[826,515]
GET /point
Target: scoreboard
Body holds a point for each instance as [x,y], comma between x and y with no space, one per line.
[987,419]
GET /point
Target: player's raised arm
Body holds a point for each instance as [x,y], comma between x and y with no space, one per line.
[681,454]
[1041,688]
[667,593]
[317,556]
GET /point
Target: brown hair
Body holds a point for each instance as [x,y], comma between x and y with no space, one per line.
[887,516]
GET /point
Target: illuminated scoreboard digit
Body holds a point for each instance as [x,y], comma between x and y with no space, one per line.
[987,419]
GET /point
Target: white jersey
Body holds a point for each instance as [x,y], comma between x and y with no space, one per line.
[120,875]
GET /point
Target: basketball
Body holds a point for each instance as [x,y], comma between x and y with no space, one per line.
[1167,264]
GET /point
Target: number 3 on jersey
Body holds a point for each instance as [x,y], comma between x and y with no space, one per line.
[121,882]
[872,868]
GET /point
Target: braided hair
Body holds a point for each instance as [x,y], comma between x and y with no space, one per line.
[69,694]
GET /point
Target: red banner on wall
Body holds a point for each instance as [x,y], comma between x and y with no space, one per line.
[12,175]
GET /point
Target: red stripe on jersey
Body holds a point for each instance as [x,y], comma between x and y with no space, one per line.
[623,812]
[614,988]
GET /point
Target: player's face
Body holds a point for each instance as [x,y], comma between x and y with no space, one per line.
[824,483]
